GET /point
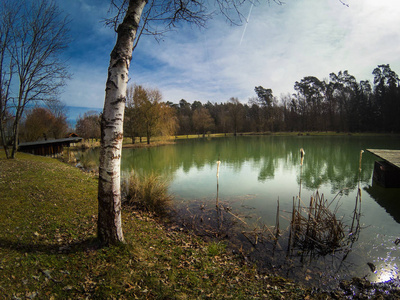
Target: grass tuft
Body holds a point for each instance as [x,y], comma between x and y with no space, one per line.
[316,227]
[216,248]
[148,192]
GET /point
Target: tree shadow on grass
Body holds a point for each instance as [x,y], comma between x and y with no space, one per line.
[82,245]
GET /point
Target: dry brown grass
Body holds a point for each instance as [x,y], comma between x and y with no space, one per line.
[148,192]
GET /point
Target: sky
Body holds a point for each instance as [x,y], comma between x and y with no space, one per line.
[275,46]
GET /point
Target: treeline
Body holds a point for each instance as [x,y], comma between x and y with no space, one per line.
[50,122]
[339,103]
[44,123]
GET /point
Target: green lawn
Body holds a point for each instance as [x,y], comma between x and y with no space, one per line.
[48,247]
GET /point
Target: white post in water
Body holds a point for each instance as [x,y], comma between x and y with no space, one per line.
[359,175]
[217,200]
[361,152]
[302,152]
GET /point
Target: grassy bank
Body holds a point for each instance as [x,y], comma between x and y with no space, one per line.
[48,248]
[163,140]
[157,141]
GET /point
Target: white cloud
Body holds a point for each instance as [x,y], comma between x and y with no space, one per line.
[86,88]
[281,45]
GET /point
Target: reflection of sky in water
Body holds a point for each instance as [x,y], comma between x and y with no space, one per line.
[376,241]
[201,183]
[385,256]
[256,171]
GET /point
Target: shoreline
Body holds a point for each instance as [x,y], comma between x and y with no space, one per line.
[51,248]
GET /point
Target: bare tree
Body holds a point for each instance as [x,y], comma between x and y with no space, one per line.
[33,34]
[132,123]
[202,120]
[8,14]
[235,109]
[109,227]
[134,18]
[88,126]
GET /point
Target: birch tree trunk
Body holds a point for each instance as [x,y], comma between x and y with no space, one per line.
[109,227]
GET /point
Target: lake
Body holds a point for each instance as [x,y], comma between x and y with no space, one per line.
[255,171]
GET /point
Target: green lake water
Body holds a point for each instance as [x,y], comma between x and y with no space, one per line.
[256,171]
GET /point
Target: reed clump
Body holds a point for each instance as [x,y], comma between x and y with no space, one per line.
[87,162]
[315,228]
[88,144]
[148,192]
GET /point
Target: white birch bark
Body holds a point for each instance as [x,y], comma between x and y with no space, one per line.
[109,227]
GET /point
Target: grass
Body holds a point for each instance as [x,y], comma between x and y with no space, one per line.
[148,192]
[48,247]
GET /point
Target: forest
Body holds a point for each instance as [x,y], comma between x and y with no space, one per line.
[340,104]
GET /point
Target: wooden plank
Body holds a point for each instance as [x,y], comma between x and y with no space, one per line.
[391,156]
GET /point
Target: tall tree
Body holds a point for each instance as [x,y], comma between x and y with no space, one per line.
[88,125]
[367,107]
[133,125]
[150,112]
[33,34]
[202,120]
[146,115]
[387,95]
[235,109]
[168,121]
[109,228]
[126,23]
[265,99]
[311,89]
[8,15]
[265,96]
[185,117]
[60,127]
[345,91]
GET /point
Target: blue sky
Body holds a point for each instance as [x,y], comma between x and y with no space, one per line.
[279,45]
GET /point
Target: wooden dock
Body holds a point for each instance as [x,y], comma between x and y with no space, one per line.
[48,147]
[390,156]
[387,171]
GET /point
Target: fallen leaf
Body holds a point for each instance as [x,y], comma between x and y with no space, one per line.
[47,273]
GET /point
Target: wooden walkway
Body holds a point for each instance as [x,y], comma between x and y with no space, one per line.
[390,156]
[48,147]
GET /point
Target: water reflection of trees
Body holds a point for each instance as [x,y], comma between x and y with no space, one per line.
[335,162]
[332,160]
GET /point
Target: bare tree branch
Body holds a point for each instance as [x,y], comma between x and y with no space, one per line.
[160,17]
[36,34]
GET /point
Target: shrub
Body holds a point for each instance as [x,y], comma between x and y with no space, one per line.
[148,192]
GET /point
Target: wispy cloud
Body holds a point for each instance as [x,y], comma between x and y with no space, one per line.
[281,45]
[86,87]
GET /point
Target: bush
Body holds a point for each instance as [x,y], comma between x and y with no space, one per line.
[148,192]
